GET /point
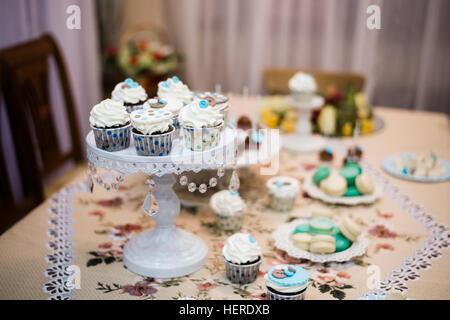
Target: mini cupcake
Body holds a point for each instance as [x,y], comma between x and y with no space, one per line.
[172,105]
[130,93]
[282,193]
[286,282]
[201,125]
[216,100]
[110,123]
[173,88]
[242,257]
[303,87]
[228,206]
[152,131]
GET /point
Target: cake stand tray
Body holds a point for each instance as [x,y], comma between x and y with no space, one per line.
[165,251]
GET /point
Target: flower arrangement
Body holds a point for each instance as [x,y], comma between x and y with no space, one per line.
[142,56]
[340,114]
[338,117]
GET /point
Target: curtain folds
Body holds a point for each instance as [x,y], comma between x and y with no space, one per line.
[231,42]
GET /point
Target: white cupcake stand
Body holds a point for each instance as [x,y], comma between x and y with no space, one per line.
[165,251]
[303,140]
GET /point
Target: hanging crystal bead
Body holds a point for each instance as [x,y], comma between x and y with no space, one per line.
[183,180]
[213,182]
[192,187]
[220,172]
[203,188]
[234,181]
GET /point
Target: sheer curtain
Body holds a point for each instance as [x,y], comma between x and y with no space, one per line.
[231,42]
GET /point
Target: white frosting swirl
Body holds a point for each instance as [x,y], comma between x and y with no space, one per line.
[302,82]
[123,92]
[200,115]
[283,289]
[149,121]
[283,187]
[226,202]
[173,88]
[109,113]
[241,248]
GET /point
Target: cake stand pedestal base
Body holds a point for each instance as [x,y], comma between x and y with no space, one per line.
[165,251]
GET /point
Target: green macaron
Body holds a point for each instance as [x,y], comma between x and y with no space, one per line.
[342,243]
[302,228]
[352,191]
[321,225]
[350,172]
[321,174]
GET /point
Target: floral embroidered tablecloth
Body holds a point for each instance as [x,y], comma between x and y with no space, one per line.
[105,221]
[88,232]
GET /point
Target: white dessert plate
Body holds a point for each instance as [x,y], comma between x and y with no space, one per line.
[315,192]
[388,165]
[283,241]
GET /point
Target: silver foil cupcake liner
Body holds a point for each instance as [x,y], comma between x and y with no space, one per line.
[153,145]
[202,139]
[242,274]
[278,296]
[229,222]
[112,139]
[281,204]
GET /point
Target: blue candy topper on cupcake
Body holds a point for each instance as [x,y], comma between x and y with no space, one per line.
[203,104]
[329,150]
[288,275]
[251,239]
[130,83]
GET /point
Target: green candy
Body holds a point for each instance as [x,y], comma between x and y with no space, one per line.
[302,228]
[342,243]
[321,225]
[334,231]
[352,191]
[350,172]
[321,174]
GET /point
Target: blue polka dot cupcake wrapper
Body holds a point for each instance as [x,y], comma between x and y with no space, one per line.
[130,109]
[114,139]
[281,204]
[202,139]
[153,145]
[276,296]
[229,223]
[176,122]
[242,274]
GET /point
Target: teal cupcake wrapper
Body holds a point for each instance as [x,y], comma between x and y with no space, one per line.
[202,139]
[153,145]
[112,139]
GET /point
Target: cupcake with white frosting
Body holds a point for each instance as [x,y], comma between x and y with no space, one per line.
[228,206]
[282,193]
[303,87]
[173,88]
[286,282]
[130,93]
[201,125]
[110,123]
[152,131]
[242,256]
[172,105]
[216,100]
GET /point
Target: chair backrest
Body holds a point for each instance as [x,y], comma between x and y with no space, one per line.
[26,68]
[31,189]
[276,80]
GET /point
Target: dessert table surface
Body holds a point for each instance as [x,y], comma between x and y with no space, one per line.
[90,230]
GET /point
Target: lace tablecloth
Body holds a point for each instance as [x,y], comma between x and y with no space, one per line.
[406,228]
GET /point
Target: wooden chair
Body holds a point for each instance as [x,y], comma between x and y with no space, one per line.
[276,80]
[25,86]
